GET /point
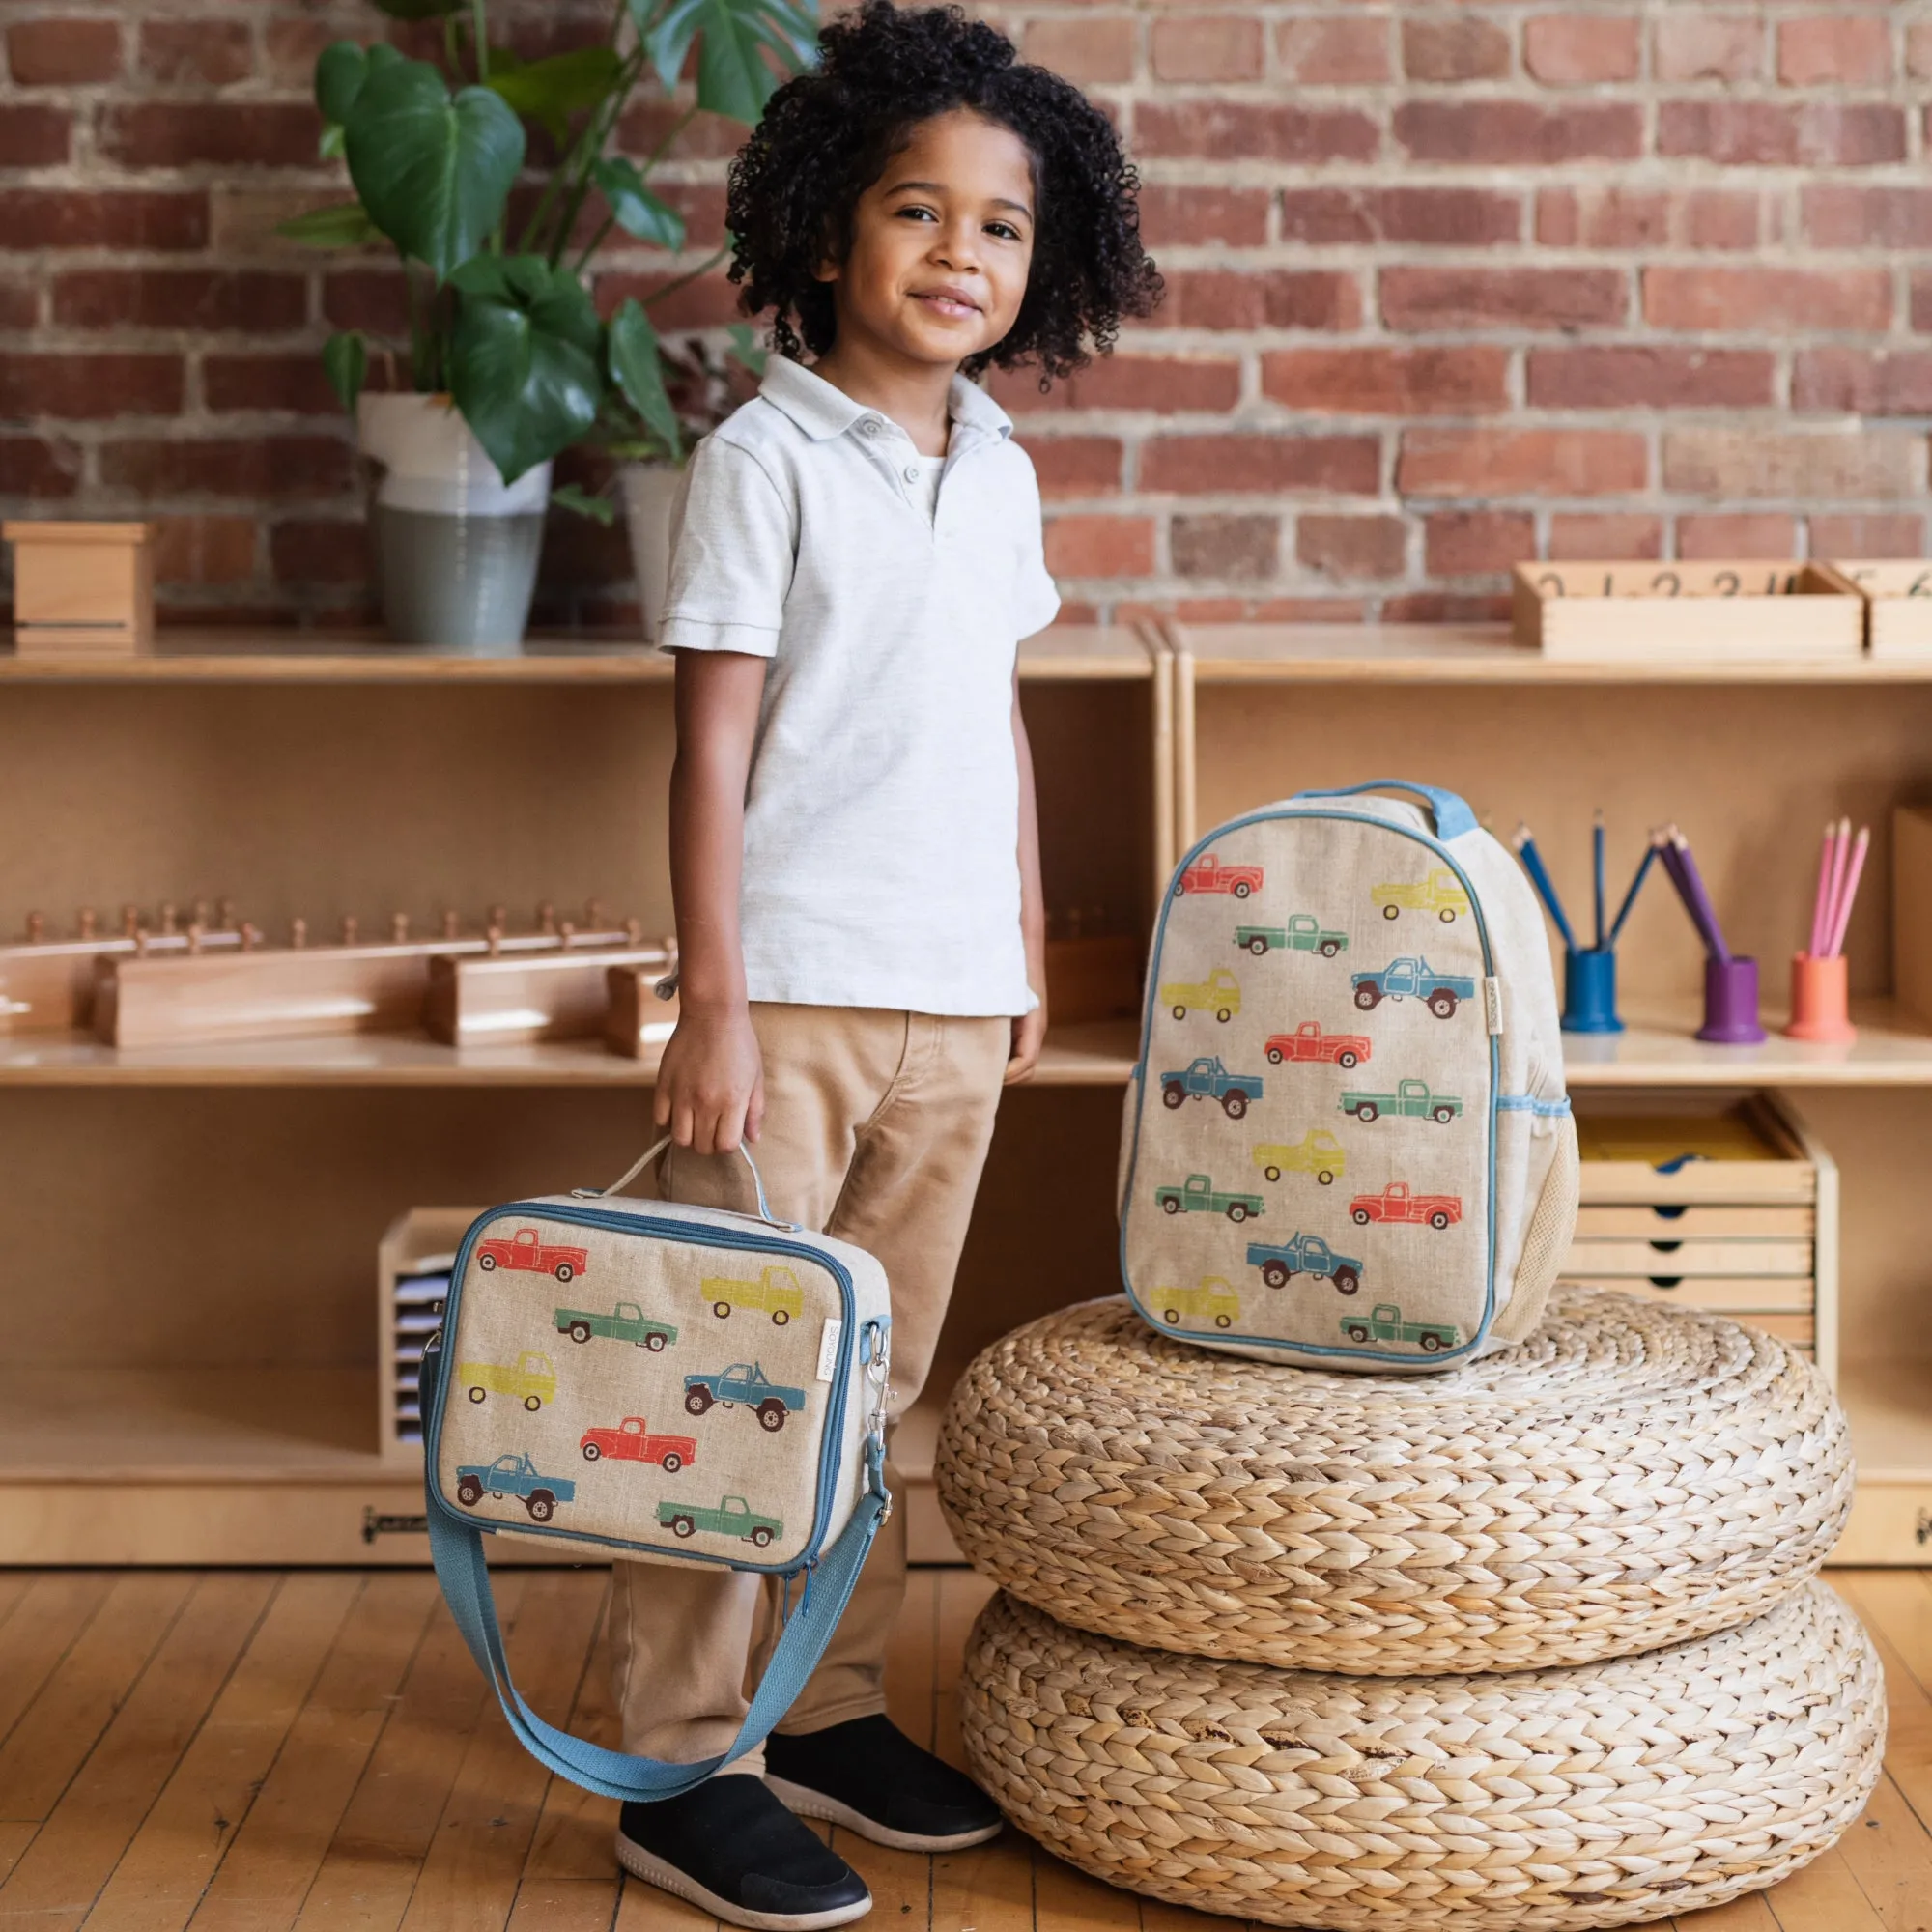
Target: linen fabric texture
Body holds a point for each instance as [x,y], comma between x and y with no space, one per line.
[882,815]
[877,1126]
[733,1456]
[1346,1141]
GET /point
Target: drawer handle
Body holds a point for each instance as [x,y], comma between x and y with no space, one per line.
[1670,1214]
[1667,1281]
[1666,1248]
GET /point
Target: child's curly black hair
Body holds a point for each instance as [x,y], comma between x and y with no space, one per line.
[827,135]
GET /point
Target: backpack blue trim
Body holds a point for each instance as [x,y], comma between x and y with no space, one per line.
[1293,810]
[1528,1103]
[692,1235]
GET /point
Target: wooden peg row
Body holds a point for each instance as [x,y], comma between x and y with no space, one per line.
[130,921]
[36,928]
[298,933]
[451,927]
[399,928]
[86,921]
[351,927]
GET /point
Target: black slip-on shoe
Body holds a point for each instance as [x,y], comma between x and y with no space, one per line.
[733,1850]
[870,1777]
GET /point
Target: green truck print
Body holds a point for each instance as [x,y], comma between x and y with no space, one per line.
[1411,1097]
[1198,1195]
[625,1322]
[1384,1324]
[733,1516]
[1303,933]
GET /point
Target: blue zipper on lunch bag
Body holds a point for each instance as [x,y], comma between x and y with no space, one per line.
[1139,1077]
[681,1232]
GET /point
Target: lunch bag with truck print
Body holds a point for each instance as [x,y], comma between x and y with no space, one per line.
[666,1383]
[1347,1141]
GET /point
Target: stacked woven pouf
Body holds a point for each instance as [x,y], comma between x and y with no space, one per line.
[1535,1643]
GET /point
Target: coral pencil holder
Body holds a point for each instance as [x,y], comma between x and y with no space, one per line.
[1819,999]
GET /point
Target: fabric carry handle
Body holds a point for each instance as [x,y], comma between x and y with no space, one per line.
[457,1551]
[1453,817]
[637,1166]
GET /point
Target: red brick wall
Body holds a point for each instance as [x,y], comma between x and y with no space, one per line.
[1447,286]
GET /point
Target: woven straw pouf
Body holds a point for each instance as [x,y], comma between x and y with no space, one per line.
[1631,1476]
[1603,1794]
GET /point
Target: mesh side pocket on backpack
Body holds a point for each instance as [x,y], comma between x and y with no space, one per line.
[1547,1240]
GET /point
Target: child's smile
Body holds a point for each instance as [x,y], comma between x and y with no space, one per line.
[941,245]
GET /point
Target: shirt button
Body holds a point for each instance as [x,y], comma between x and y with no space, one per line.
[869,426]
[912,472]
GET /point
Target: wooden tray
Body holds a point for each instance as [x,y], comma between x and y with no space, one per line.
[1795,1294]
[1742,612]
[1897,601]
[1592,1259]
[1644,1223]
[1742,1154]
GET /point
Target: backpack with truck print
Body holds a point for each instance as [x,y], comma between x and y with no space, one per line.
[1346,1139]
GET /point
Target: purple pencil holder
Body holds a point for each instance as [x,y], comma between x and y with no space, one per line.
[1730,1002]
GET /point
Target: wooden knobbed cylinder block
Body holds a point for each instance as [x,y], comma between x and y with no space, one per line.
[82,587]
[510,998]
[636,1022]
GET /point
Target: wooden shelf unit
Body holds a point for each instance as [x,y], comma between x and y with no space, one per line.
[1750,759]
[191,1233]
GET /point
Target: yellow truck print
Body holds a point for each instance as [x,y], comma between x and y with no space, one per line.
[1212,1300]
[1440,892]
[1318,1153]
[776,1292]
[1219,994]
[530,1378]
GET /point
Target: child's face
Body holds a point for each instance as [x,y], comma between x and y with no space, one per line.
[941,243]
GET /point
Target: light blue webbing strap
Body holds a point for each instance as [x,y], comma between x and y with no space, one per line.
[457,1551]
[1452,817]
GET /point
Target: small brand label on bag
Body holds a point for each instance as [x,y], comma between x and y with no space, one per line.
[829,1338]
[1493,1004]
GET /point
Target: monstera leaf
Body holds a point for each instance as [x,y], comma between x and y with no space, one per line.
[550,91]
[346,225]
[433,170]
[734,78]
[638,370]
[637,210]
[524,358]
[340,70]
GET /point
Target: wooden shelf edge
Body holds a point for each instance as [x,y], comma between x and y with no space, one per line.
[1096,1054]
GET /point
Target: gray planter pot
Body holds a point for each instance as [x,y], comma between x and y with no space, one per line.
[455,547]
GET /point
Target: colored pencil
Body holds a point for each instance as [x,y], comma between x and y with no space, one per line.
[1695,881]
[1630,898]
[1546,889]
[1841,856]
[1714,936]
[1821,899]
[1836,943]
[1673,864]
[1597,841]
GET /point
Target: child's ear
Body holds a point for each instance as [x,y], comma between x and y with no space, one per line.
[827,271]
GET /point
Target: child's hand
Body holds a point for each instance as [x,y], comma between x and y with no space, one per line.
[711,1085]
[1028,1037]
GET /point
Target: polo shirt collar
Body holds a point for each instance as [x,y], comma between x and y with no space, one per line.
[822,410]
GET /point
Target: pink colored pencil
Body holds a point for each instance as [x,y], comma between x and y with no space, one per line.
[1819,899]
[1843,916]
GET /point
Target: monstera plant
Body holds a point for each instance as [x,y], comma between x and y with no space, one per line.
[502,333]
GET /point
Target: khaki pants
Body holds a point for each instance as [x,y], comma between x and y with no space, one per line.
[876,1126]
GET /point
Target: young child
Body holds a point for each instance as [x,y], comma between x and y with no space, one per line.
[854,853]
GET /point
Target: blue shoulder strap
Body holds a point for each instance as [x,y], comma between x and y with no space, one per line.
[1452,817]
[457,1551]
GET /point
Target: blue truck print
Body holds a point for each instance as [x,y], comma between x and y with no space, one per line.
[1208,1079]
[744,1382]
[513,1474]
[1305,1254]
[1413,978]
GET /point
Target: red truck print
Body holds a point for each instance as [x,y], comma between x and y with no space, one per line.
[1395,1203]
[526,1249]
[1209,875]
[631,1441]
[1309,1042]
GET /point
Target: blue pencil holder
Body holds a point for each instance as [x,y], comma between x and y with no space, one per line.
[1590,991]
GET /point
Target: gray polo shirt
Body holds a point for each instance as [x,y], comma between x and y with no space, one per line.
[882,819]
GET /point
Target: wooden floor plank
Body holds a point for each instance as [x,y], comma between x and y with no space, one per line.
[1889,1855]
[101,1632]
[276,1852]
[986,1890]
[370,1870]
[1823,1897]
[1908,1749]
[14,1839]
[58,1880]
[901,1881]
[643,1908]
[13,1585]
[162,1877]
[565,1905]
[1749,1914]
[575,1826]
[475,1861]
[1065,1900]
